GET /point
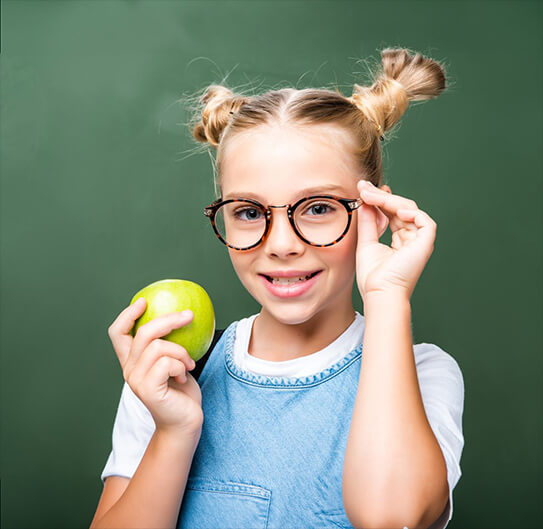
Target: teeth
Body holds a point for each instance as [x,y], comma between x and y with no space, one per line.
[288,280]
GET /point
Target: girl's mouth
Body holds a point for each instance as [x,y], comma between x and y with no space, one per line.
[287,287]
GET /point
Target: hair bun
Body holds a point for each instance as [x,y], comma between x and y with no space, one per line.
[218,104]
[403,77]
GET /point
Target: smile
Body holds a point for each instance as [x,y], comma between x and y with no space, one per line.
[289,280]
[287,287]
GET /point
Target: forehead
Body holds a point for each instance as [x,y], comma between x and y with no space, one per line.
[276,162]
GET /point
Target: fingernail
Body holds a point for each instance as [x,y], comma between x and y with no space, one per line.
[186,313]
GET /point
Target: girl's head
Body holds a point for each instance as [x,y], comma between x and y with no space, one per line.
[286,144]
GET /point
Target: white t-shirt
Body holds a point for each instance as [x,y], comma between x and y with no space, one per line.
[440,381]
[299,367]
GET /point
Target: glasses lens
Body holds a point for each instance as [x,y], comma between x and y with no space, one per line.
[321,220]
[241,224]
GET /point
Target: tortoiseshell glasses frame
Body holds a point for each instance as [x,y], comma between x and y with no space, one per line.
[349,204]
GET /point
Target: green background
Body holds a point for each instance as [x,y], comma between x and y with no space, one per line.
[102,192]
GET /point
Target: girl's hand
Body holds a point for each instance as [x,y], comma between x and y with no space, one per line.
[384,269]
[157,370]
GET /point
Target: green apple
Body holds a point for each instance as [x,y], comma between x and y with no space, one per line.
[175,295]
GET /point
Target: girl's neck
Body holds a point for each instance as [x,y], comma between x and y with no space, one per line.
[275,341]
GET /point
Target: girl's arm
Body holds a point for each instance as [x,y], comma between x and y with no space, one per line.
[156,371]
[394,472]
[154,494]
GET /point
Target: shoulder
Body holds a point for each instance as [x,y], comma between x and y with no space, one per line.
[440,377]
[430,358]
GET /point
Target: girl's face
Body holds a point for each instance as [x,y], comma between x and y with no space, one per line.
[277,166]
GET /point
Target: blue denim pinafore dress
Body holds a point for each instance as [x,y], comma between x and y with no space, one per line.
[271,451]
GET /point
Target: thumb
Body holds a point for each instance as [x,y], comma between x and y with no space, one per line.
[368,231]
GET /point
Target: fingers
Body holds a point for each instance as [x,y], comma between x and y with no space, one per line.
[158,374]
[368,230]
[119,330]
[425,225]
[157,350]
[157,377]
[166,368]
[372,222]
[153,330]
[389,205]
[387,202]
[126,319]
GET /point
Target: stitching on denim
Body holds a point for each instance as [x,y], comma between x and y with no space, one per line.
[231,492]
[286,383]
[228,487]
[268,512]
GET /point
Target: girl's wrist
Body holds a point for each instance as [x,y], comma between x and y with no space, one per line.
[376,301]
[179,436]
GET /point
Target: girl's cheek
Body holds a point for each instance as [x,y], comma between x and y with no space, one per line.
[345,251]
[241,262]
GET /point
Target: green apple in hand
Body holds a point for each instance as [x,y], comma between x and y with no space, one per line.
[175,295]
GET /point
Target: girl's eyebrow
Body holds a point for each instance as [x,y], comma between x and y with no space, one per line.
[303,192]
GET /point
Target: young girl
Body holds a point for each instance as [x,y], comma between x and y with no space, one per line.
[307,414]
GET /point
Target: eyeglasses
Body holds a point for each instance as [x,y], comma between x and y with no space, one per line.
[318,220]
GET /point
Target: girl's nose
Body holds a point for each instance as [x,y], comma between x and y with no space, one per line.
[281,240]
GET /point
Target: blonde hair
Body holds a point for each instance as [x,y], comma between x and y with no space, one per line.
[364,117]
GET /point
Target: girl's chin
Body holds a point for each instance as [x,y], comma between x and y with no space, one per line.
[291,314]
[290,310]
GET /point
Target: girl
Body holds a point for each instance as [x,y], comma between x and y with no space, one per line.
[307,414]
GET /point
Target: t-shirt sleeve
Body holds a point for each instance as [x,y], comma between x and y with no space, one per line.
[442,390]
[132,431]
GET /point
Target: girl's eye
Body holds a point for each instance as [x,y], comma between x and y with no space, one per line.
[319,209]
[248,214]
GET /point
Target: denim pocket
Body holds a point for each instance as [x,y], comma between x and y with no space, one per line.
[215,504]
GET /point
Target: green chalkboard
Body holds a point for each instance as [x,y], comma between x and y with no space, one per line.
[102,190]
